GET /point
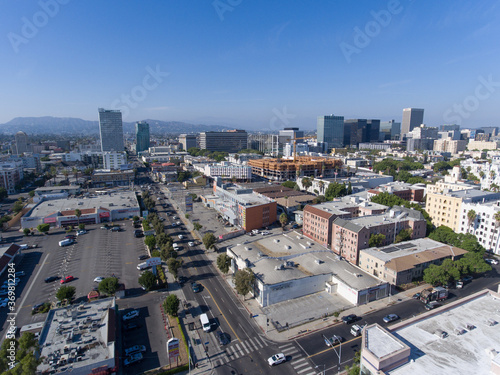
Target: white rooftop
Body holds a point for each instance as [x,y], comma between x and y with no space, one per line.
[380,342]
[402,249]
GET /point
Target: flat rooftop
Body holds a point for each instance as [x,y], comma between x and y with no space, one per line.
[380,342]
[473,338]
[57,188]
[112,201]
[385,218]
[305,258]
[338,206]
[78,336]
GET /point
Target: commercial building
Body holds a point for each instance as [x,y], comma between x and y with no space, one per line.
[318,219]
[460,337]
[349,236]
[21,143]
[228,141]
[8,253]
[405,262]
[287,134]
[484,226]
[266,143]
[94,209]
[114,160]
[358,131]
[108,178]
[389,130]
[187,141]
[482,145]
[419,144]
[111,130]
[289,266]
[55,192]
[330,130]
[449,145]
[446,208]
[80,339]
[412,118]
[375,146]
[228,170]
[241,206]
[11,174]
[141,136]
[287,169]
[409,192]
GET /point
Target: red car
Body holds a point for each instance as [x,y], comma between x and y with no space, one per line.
[67,279]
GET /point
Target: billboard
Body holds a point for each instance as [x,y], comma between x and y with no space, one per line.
[173,348]
[189,203]
[153,262]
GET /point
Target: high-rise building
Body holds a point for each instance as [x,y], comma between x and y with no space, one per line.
[389,130]
[142,136]
[448,127]
[358,131]
[331,130]
[228,141]
[111,130]
[187,141]
[21,143]
[412,117]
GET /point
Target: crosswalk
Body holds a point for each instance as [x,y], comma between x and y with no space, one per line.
[299,362]
[239,349]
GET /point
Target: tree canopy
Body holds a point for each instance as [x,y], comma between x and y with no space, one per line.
[376,240]
[243,281]
[223,262]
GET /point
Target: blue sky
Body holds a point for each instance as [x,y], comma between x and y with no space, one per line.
[251,64]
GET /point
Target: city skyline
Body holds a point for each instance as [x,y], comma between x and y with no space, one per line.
[243,67]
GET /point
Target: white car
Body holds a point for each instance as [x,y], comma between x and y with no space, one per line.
[491,261]
[80,232]
[178,223]
[276,359]
[180,236]
[190,243]
[264,232]
[135,349]
[131,315]
[98,279]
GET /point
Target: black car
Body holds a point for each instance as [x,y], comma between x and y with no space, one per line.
[195,287]
[142,257]
[131,326]
[137,233]
[182,280]
[348,319]
[37,306]
[223,338]
[51,278]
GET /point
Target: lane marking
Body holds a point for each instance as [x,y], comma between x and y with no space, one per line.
[331,348]
[213,299]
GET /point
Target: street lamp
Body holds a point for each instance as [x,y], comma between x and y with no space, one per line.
[324,368]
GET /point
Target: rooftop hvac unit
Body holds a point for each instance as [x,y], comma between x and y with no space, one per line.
[276,240]
[318,261]
[248,248]
[287,247]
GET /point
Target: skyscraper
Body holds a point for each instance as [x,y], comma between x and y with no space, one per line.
[228,141]
[142,136]
[21,143]
[111,130]
[331,130]
[389,130]
[412,117]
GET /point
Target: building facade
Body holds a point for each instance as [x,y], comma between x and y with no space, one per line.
[484,226]
[389,130]
[412,118]
[11,174]
[141,136]
[228,141]
[187,141]
[228,170]
[330,130]
[111,130]
[21,143]
[114,160]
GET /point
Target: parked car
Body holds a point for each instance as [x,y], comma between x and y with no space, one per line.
[133,359]
[222,338]
[179,223]
[348,319]
[98,279]
[174,225]
[105,227]
[81,232]
[142,257]
[432,305]
[195,287]
[70,237]
[491,261]
[265,232]
[467,279]
[135,349]
[191,243]
[66,242]
[276,359]
[131,315]
[182,280]
[36,307]
[19,274]
[180,236]
[51,278]
[66,279]
[138,233]
[390,318]
[416,296]
[116,229]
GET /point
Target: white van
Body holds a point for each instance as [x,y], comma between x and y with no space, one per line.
[66,242]
[175,245]
[205,323]
[26,247]
[142,266]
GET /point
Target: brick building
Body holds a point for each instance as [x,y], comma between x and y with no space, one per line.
[349,236]
[409,192]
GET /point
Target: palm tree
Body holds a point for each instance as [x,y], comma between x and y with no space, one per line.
[321,184]
[492,174]
[283,220]
[471,216]
[78,213]
[75,173]
[481,174]
[306,183]
[65,172]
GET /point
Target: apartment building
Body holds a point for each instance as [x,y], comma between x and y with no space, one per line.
[11,174]
[406,261]
[409,192]
[318,219]
[484,226]
[446,208]
[487,172]
[228,170]
[482,145]
[349,236]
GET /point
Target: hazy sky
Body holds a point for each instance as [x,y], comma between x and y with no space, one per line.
[248,63]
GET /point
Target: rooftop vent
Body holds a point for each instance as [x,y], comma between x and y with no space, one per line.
[318,261]
[248,248]
[276,240]
[287,247]
[491,322]
[278,268]
[470,327]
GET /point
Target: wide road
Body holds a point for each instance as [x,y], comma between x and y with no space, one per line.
[249,348]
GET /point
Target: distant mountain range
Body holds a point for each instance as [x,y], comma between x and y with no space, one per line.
[77,126]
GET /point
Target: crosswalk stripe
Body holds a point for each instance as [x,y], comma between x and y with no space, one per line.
[285,346]
[258,344]
[289,350]
[301,365]
[303,370]
[245,347]
[230,351]
[298,360]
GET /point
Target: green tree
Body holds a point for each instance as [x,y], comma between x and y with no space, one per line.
[436,275]
[349,188]
[209,240]
[43,228]
[31,193]
[78,213]
[376,240]
[403,235]
[26,231]
[81,226]
[136,218]
[471,216]
[197,226]
[147,280]
[289,184]
[243,281]
[66,292]
[150,242]
[3,193]
[18,206]
[473,263]
[108,286]
[306,183]
[171,305]
[173,265]
[283,219]
[224,262]
[335,190]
